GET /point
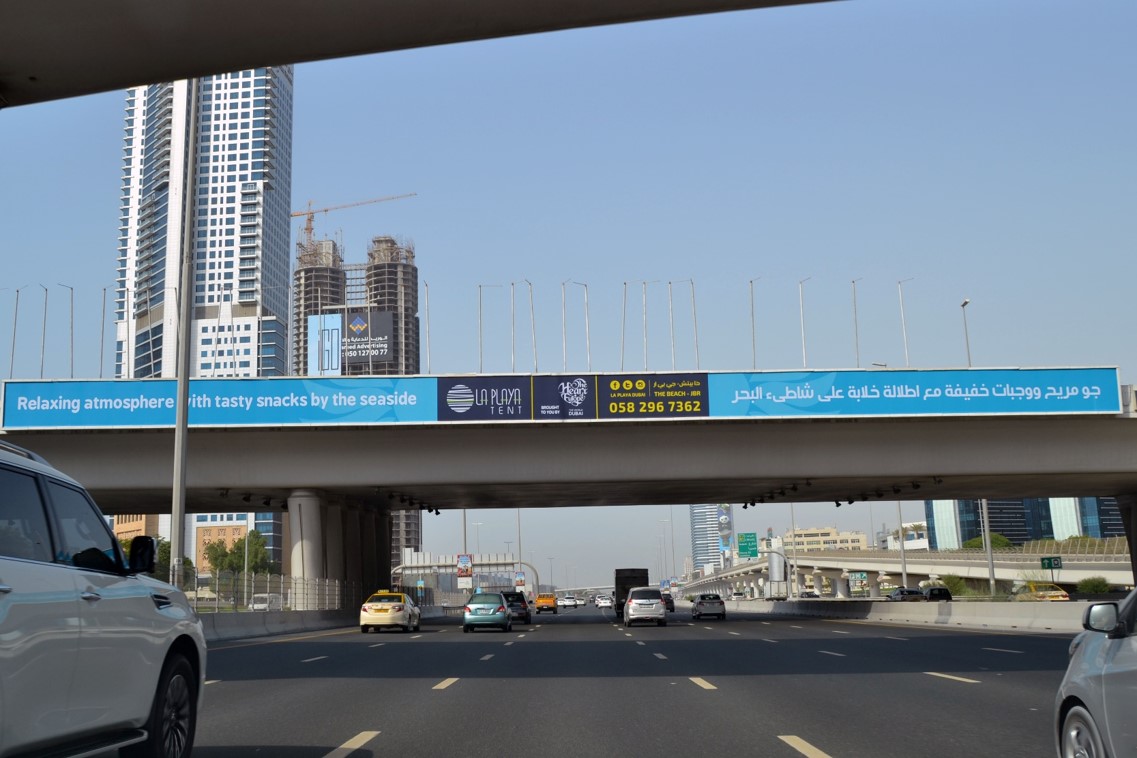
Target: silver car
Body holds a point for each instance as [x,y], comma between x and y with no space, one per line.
[645,604]
[1093,711]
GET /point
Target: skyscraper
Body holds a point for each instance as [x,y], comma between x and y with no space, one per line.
[206,167]
[705,537]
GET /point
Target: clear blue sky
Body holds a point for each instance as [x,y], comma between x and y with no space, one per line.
[977,148]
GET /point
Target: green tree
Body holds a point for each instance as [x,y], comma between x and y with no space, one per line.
[998,541]
[221,557]
[955,584]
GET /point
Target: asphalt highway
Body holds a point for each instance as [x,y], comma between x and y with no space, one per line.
[578,684]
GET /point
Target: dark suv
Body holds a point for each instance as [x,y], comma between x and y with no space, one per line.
[519,608]
[937,594]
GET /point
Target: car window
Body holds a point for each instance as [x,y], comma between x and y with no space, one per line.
[23,525]
[486,598]
[385,599]
[85,540]
[709,597]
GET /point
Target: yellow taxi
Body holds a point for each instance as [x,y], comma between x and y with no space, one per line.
[386,608]
[1039,591]
[546,601]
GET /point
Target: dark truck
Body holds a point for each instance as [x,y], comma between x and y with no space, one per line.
[625,580]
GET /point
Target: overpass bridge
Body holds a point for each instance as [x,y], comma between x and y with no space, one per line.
[881,566]
[340,454]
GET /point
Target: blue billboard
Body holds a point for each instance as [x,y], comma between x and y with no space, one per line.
[218,402]
[366,400]
[790,394]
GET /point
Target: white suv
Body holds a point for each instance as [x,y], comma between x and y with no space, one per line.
[95,656]
[645,604]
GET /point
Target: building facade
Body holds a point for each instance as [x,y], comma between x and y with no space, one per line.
[951,523]
[705,539]
[206,168]
[816,539]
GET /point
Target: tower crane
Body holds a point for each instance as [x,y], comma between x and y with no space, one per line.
[310,212]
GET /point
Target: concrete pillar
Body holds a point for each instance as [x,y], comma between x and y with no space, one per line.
[353,553]
[818,581]
[334,554]
[840,582]
[305,520]
[874,581]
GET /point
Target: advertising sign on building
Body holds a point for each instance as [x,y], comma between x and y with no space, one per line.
[519,579]
[325,344]
[367,337]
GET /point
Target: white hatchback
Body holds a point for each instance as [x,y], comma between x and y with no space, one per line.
[95,655]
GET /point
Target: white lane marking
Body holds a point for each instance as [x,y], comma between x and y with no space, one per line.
[953,678]
[838,631]
[898,639]
[352,745]
[660,656]
[706,627]
[445,683]
[703,683]
[212,681]
[766,640]
[767,623]
[627,634]
[796,627]
[830,652]
[521,636]
[508,644]
[1003,650]
[736,634]
[640,642]
[317,658]
[415,636]
[803,747]
[378,644]
[486,657]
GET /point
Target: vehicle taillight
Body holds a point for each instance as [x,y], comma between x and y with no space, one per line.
[397,607]
[467,609]
[366,608]
[500,608]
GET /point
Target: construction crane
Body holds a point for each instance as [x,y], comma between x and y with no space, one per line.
[307,242]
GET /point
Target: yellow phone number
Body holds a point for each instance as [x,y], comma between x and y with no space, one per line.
[657,406]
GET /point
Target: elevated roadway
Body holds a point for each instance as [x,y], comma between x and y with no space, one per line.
[65,48]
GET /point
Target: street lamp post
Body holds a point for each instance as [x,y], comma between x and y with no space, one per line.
[856,328]
[801,314]
[671,321]
[43,333]
[15,319]
[426,291]
[550,573]
[903,321]
[966,339]
[587,334]
[753,329]
[532,326]
[903,560]
[71,321]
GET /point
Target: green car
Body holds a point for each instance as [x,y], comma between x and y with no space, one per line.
[486,609]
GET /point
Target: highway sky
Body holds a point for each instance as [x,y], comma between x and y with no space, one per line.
[979,149]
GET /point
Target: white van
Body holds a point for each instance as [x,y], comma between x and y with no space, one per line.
[266,602]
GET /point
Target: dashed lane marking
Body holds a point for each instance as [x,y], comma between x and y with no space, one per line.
[830,652]
[317,658]
[660,656]
[640,642]
[445,683]
[212,681]
[703,683]
[953,678]
[378,644]
[766,640]
[508,644]
[352,745]
[415,636]
[898,639]
[803,747]
[1003,650]
[839,631]
[736,634]
[486,657]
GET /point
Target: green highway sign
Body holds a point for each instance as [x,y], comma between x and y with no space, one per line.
[748,545]
[1052,563]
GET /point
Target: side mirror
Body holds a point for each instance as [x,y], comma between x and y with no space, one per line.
[143,555]
[1100,617]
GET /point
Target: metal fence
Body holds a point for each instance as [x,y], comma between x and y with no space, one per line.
[227,592]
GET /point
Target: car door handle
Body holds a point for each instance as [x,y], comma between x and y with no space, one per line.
[88,595]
